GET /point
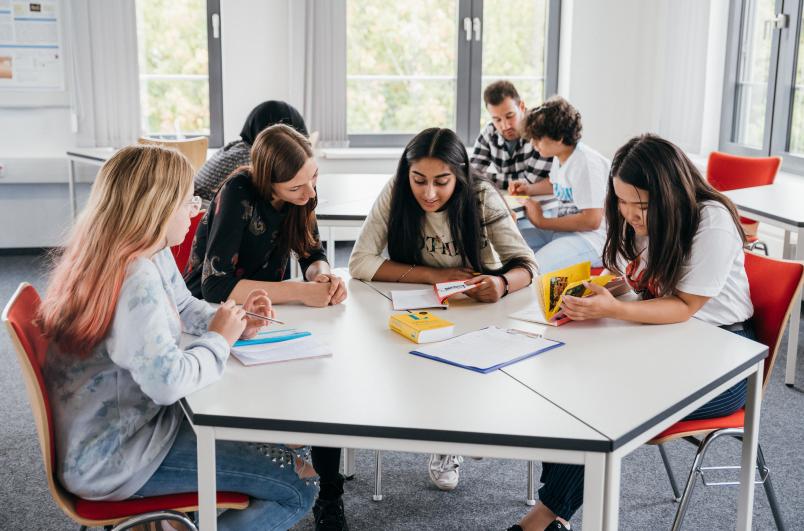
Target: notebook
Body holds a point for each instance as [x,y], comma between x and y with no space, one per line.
[487,349]
[433,297]
[298,348]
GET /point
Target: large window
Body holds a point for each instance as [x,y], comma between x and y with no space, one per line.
[179,57]
[763,111]
[412,65]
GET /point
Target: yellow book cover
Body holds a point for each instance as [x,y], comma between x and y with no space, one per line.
[421,326]
[554,285]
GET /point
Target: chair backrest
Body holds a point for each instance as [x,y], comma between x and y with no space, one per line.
[774,285]
[195,149]
[730,172]
[31,347]
[181,252]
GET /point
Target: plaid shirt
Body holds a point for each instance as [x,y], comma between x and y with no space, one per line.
[491,157]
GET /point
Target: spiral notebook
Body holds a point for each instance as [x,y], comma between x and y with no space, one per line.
[487,349]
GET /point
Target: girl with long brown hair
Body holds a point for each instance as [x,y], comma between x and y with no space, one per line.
[679,244]
[263,213]
[114,313]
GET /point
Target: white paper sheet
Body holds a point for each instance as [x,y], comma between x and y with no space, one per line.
[416,299]
[293,349]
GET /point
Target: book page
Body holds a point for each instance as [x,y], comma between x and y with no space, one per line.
[415,299]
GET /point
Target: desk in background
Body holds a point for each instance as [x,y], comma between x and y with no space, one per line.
[521,412]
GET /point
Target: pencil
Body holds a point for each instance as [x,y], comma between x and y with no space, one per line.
[258,316]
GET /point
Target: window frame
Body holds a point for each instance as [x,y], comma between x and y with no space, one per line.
[781,81]
[468,78]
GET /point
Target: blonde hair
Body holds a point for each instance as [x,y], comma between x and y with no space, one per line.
[135,194]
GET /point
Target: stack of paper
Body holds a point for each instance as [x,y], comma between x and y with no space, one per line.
[297,346]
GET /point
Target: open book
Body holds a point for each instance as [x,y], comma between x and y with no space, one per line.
[435,297]
[553,286]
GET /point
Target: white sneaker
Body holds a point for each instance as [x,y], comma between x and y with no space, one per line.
[443,470]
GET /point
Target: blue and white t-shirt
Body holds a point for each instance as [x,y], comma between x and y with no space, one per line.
[579,184]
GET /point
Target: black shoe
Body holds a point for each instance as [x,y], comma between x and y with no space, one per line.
[329,515]
[556,526]
[515,527]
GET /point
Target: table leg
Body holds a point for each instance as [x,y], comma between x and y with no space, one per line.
[205,440]
[745,505]
[71,188]
[349,462]
[612,493]
[594,486]
[795,319]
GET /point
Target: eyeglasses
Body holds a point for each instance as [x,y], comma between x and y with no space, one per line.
[195,205]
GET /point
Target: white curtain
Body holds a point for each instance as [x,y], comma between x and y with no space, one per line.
[321,76]
[103,71]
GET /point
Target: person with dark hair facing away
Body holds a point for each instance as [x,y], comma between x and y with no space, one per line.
[500,152]
[261,214]
[575,232]
[441,222]
[238,153]
[679,244]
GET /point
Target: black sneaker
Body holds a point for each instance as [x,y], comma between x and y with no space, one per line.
[329,515]
[515,527]
[556,526]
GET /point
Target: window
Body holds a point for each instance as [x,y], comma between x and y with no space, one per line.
[179,59]
[763,111]
[412,65]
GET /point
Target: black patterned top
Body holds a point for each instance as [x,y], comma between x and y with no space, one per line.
[237,239]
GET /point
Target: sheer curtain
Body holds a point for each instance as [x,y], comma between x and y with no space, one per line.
[318,67]
[103,71]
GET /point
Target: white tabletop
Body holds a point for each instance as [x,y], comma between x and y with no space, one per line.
[373,387]
[617,377]
[782,201]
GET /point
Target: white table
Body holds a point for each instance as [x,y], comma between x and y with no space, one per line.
[782,205]
[387,397]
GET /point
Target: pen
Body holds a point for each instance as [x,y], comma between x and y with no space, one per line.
[266,318]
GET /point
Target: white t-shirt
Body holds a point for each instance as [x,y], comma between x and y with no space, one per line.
[715,268]
[579,184]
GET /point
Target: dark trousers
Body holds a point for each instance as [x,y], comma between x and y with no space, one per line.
[327,462]
[562,491]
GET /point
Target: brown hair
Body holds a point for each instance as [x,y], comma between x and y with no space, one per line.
[498,91]
[556,118]
[676,193]
[278,153]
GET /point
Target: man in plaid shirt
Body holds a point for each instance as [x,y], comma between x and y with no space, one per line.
[500,153]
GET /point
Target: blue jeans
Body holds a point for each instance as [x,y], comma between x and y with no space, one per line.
[279,498]
[556,250]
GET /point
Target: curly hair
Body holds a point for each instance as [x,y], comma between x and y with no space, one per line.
[556,118]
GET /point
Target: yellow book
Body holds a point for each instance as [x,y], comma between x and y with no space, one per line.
[421,327]
[554,285]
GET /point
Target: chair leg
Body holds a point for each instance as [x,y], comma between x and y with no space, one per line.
[531,490]
[670,475]
[153,517]
[770,492]
[695,473]
[377,476]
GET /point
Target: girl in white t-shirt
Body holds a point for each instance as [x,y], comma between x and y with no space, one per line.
[679,244]
[575,232]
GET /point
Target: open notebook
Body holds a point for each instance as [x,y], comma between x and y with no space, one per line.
[275,346]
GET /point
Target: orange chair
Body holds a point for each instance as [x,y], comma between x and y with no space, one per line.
[181,252]
[31,348]
[774,285]
[731,172]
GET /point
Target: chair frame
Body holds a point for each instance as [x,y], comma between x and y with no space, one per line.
[64,499]
[710,435]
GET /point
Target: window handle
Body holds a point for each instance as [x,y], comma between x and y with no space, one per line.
[780,22]
[467,28]
[216,26]
[476,26]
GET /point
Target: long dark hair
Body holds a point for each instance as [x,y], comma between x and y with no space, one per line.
[676,192]
[278,153]
[405,221]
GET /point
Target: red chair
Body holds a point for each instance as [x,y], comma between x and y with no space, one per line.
[31,348]
[181,252]
[731,172]
[774,285]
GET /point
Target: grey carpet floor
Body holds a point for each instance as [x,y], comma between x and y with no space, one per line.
[491,493]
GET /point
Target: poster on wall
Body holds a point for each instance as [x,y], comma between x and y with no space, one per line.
[31,53]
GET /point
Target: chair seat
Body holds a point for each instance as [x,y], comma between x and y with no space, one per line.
[691,427]
[109,510]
